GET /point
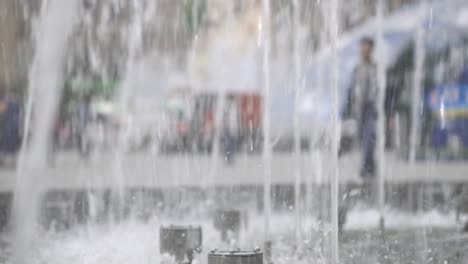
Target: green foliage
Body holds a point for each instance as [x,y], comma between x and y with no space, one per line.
[82,87]
[74,89]
[194,12]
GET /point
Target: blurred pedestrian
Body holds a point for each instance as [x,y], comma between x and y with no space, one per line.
[83,118]
[231,129]
[362,106]
[10,110]
[183,131]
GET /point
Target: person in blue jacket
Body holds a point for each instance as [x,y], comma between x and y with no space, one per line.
[10,138]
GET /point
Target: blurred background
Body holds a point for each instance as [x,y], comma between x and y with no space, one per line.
[332,129]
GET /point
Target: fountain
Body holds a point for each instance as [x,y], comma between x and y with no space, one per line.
[227,113]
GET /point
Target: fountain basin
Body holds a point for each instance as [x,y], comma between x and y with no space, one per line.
[235,257]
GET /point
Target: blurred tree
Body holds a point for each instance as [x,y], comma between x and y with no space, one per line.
[12,35]
[194,12]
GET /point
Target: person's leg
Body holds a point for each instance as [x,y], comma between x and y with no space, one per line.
[229,147]
[369,157]
[342,216]
[368,146]
[225,145]
[368,161]
[343,207]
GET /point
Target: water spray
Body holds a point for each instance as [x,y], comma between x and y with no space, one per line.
[381,137]
[296,123]
[55,25]
[265,29]
[334,181]
[228,223]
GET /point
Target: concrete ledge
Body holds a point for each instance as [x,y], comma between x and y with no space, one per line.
[143,170]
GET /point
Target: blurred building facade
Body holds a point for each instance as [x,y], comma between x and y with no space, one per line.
[100,46]
[354,12]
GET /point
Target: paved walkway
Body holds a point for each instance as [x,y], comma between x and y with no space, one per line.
[153,171]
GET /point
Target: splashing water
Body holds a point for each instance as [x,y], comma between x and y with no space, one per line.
[334,182]
[55,25]
[221,52]
[265,25]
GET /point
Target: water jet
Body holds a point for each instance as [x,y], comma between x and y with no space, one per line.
[228,222]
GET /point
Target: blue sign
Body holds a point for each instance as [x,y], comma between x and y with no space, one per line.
[449,101]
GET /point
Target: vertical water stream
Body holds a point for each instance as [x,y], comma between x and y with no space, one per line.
[54,26]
